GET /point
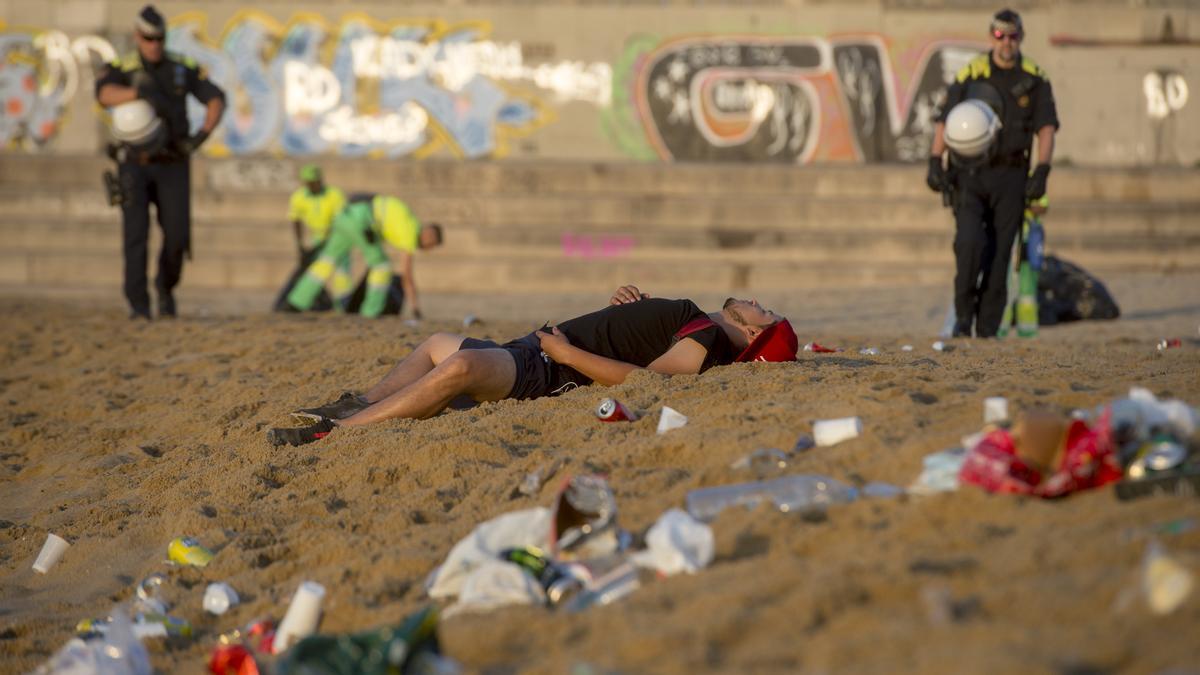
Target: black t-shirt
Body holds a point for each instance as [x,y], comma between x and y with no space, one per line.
[174,77]
[640,332]
[1025,98]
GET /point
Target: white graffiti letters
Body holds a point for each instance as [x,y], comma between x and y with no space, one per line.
[1166,93]
[406,125]
[309,88]
[454,64]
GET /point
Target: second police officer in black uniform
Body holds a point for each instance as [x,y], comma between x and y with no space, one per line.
[162,177]
[990,195]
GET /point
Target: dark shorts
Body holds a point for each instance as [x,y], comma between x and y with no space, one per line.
[537,375]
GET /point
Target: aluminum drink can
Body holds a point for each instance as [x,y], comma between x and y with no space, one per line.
[612,410]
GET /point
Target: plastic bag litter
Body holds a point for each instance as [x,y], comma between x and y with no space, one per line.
[412,647]
[789,493]
[529,527]
[677,543]
[1165,583]
[120,652]
[939,472]
[496,583]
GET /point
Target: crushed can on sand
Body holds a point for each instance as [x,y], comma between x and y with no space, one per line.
[188,551]
[612,410]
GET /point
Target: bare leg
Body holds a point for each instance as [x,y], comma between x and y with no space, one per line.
[483,374]
[435,349]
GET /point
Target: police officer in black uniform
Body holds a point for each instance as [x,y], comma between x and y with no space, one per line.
[163,80]
[990,195]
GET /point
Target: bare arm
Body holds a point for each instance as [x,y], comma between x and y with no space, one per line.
[115,94]
[1045,143]
[213,110]
[939,140]
[683,358]
[299,230]
[409,283]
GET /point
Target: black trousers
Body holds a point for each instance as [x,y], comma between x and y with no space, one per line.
[988,210]
[167,185]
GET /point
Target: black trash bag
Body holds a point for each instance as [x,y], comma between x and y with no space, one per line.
[395,297]
[1067,293]
[323,303]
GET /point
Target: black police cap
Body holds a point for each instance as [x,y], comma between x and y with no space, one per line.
[150,23]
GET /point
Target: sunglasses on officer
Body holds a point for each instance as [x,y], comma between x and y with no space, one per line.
[1001,35]
[152,38]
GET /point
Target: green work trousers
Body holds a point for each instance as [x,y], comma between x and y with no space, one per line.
[353,229]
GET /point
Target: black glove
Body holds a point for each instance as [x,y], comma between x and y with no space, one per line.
[192,143]
[417,314]
[370,235]
[936,178]
[1035,186]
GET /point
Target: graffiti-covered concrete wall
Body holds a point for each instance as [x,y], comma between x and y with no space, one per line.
[785,83]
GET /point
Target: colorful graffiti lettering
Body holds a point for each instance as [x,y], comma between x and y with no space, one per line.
[307,86]
[40,71]
[365,87]
[787,100]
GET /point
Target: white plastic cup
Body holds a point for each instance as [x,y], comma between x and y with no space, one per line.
[832,432]
[302,616]
[995,410]
[52,552]
[671,419]
[219,597]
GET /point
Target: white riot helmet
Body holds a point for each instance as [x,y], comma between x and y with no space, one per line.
[971,128]
[136,124]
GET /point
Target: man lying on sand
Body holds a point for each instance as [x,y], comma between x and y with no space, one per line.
[672,337]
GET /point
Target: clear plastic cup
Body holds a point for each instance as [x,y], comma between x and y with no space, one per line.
[219,597]
[52,552]
[995,410]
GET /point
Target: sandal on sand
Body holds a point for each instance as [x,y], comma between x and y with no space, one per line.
[344,407]
[300,435]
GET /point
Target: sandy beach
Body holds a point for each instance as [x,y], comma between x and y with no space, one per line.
[120,436]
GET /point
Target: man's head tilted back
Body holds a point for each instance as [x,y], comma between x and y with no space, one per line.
[769,336]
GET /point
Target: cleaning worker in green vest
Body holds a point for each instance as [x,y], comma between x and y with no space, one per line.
[313,206]
[367,221]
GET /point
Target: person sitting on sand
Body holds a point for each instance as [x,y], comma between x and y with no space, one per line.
[672,337]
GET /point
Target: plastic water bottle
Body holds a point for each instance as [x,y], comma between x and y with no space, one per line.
[1027,308]
[790,493]
[1035,244]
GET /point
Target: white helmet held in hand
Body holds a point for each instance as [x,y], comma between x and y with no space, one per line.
[971,127]
[137,124]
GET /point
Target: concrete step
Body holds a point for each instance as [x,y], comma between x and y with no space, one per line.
[880,246]
[633,214]
[543,178]
[535,270]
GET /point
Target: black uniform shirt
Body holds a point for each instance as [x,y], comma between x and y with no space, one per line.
[175,76]
[1026,100]
[640,332]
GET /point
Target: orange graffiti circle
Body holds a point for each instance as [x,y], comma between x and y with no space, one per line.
[48,128]
[14,106]
[28,83]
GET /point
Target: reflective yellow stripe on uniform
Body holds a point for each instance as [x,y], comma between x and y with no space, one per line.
[129,62]
[322,269]
[1032,68]
[977,68]
[380,276]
